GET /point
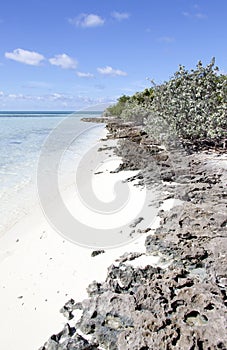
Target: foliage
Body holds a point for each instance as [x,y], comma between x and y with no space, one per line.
[117,108]
[143,98]
[125,105]
[135,112]
[192,105]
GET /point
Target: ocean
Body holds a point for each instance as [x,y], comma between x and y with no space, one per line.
[22,136]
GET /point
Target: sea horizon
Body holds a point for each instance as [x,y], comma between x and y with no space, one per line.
[51,112]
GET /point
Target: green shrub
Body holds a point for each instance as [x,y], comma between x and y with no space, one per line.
[117,108]
[134,104]
[193,104]
[135,112]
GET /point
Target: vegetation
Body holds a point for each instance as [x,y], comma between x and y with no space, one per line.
[191,106]
[126,103]
[117,108]
[193,103]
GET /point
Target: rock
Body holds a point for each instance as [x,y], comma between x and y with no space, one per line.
[71,341]
[67,309]
[129,257]
[96,119]
[136,222]
[97,252]
[94,288]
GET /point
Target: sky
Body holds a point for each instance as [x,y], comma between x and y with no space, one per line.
[72,54]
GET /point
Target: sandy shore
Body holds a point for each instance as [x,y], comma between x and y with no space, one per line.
[40,271]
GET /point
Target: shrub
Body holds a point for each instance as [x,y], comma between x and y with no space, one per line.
[127,105]
[135,112]
[193,104]
[117,108]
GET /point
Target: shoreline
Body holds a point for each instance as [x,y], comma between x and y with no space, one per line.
[181,304]
[163,259]
[40,270]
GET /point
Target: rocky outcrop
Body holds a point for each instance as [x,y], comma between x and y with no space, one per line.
[101,119]
[180,304]
[155,309]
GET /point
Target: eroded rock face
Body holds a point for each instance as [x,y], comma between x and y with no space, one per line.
[155,309]
[182,306]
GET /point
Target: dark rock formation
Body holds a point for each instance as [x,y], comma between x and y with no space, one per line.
[68,339]
[97,252]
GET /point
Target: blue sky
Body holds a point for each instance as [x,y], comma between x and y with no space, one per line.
[69,54]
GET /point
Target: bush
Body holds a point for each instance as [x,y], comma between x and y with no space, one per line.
[192,104]
[117,108]
[135,112]
[127,105]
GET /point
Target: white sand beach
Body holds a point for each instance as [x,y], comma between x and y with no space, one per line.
[40,271]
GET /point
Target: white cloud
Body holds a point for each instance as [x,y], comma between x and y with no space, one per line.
[55,96]
[63,61]
[166,39]
[84,75]
[48,97]
[18,101]
[110,71]
[15,96]
[119,16]
[87,20]
[24,56]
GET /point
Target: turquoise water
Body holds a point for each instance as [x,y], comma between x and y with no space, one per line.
[22,135]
